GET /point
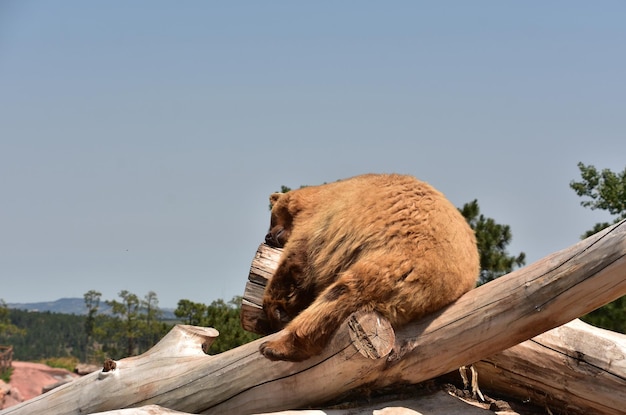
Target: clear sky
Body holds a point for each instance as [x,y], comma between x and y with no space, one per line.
[139,140]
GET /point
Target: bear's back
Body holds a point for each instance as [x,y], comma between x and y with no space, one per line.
[387,215]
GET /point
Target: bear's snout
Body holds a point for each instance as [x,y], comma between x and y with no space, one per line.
[274,238]
[269,239]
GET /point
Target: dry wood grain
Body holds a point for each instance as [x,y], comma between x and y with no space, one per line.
[263,265]
[575,368]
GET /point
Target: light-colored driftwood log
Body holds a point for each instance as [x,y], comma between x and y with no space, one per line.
[177,375]
[264,264]
[575,368]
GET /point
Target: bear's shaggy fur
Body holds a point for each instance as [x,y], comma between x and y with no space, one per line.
[385,243]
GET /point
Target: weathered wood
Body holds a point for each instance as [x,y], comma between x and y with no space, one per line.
[371,334]
[575,369]
[263,265]
[177,375]
[162,369]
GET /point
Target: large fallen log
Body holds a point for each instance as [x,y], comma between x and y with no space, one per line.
[177,375]
[574,369]
[577,368]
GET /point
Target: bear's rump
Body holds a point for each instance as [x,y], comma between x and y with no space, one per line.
[400,288]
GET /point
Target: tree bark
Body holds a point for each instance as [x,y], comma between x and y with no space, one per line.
[177,375]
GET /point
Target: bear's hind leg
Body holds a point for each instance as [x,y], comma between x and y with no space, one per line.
[310,331]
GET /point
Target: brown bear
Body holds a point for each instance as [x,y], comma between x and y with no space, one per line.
[377,242]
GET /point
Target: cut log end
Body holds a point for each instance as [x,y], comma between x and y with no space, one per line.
[371,334]
[265,262]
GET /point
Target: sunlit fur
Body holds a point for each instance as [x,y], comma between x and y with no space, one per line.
[388,243]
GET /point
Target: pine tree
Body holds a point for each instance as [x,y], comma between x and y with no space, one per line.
[92,303]
[492,239]
[605,190]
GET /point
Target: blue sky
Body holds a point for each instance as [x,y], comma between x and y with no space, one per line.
[139,141]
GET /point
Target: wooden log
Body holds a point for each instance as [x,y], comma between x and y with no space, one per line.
[575,369]
[263,265]
[177,375]
[534,371]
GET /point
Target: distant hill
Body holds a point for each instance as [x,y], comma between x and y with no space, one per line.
[63,306]
[74,306]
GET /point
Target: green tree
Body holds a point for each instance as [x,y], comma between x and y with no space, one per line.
[190,312]
[45,335]
[492,239]
[152,328]
[92,303]
[225,317]
[8,329]
[128,313]
[134,326]
[604,190]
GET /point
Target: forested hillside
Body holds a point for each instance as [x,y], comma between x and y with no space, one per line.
[133,327]
[46,335]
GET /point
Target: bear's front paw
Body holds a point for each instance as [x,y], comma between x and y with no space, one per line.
[284,348]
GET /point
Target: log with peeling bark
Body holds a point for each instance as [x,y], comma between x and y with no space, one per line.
[176,374]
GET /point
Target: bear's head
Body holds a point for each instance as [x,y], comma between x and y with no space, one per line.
[281,221]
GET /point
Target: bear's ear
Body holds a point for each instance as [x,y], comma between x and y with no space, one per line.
[274,198]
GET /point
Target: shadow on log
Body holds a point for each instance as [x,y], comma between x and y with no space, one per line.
[176,373]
